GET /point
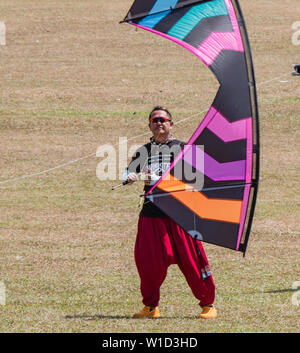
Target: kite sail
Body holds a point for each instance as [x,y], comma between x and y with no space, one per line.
[221,210]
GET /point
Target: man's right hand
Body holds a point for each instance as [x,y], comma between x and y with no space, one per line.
[132,177]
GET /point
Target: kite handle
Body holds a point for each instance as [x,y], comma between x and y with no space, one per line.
[117,186]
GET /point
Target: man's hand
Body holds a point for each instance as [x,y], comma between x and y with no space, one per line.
[150,178]
[147,178]
[132,177]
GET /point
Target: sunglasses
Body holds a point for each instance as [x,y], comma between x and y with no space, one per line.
[160,119]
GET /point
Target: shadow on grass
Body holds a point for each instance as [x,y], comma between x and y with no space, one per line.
[274,291]
[288,290]
[97,317]
[120,317]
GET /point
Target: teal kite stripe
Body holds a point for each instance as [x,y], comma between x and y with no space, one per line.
[160,10]
[196,14]
[152,20]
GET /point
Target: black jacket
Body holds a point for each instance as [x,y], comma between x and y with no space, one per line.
[156,158]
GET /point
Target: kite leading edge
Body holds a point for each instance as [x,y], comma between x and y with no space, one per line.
[221,211]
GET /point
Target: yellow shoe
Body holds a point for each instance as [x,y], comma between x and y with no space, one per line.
[208,312]
[148,312]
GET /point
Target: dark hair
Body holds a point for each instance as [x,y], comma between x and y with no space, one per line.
[158,107]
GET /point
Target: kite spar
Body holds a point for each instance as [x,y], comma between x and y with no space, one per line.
[221,211]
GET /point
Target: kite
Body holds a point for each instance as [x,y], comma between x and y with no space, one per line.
[220,210]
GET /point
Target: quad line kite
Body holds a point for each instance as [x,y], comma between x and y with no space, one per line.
[221,211]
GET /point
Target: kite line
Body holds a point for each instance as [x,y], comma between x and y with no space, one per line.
[59,166]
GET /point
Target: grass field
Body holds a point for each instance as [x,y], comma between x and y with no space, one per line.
[73,78]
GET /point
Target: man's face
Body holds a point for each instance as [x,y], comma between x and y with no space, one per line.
[160,130]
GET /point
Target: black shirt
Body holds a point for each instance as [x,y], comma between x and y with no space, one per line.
[156,158]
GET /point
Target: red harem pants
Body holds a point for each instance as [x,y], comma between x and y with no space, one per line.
[160,243]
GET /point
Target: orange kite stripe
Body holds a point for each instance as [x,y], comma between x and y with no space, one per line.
[214,209]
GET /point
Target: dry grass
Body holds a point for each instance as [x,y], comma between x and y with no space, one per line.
[72,79]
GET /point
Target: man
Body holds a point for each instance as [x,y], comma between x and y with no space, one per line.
[160,241]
